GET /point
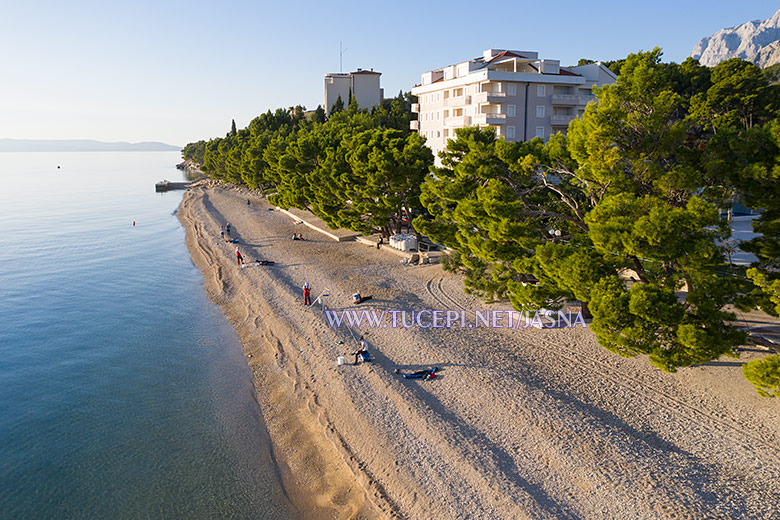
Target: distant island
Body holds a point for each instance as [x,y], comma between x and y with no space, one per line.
[81,145]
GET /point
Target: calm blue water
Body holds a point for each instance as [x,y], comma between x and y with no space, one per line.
[123,391]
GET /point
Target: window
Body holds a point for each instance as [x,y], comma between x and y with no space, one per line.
[510,131]
[510,110]
[438,134]
[540,90]
[540,111]
[540,131]
[512,89]
[438,115]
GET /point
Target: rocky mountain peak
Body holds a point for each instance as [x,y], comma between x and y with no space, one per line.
[757,41]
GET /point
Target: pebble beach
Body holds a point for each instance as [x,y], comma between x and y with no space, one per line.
[521,422]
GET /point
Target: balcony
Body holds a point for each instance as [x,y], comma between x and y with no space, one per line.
[457,121]
[457,101]
[571,99]
[415,108]
[562,119]
[489,97]
[489,119]
[414,125]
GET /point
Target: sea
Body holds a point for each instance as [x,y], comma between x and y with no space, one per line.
[123,391]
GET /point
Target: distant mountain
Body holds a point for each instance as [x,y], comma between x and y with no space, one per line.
[757,41]
[80,145]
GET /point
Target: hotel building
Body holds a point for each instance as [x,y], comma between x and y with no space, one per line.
[363,84]
[515,92]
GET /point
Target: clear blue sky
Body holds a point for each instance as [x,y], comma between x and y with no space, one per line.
[180,71]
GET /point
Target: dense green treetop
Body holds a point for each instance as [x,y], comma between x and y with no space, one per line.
[622,213]
[358,169]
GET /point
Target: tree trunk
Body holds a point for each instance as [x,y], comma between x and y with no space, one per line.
[586,311]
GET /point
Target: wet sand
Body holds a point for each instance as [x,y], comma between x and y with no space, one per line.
[521,423]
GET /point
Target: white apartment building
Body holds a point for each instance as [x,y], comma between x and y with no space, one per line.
[364,85]
[515,92]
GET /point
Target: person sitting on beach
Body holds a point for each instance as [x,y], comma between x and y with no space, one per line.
[362,354]
[300,236]
[357,299]
[247,202]
[239,258]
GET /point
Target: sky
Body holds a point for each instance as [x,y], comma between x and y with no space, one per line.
[178,72]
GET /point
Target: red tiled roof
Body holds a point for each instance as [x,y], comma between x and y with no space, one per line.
[504,54]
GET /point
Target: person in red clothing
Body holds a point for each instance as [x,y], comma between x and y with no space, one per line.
[239,258]
[306,294]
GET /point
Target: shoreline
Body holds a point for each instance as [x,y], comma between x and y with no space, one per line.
[287,411]
[549,425]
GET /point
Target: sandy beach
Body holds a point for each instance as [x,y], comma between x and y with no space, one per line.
[521,423]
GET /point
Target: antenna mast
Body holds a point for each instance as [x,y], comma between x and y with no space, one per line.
[341,54]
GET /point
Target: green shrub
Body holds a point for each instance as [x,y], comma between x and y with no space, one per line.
[765,375]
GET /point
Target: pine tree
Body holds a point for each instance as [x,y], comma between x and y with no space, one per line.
[353,104]
[319,115]
[338,106]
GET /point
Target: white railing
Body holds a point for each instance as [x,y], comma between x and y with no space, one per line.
[571,99]
[457,101]
[416,108]
[457,121]
[487,119]
[562,119]
[487,96]
[414,125]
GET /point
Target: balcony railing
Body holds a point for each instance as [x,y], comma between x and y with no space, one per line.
[457,101]
[457,121]
[571,99]
[415,108]
[489,119]
[414,125]
[562,119]
[489,97]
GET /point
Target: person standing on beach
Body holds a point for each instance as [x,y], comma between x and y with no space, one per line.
[306,293]
[227,229]
[239,258]
[222,232]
